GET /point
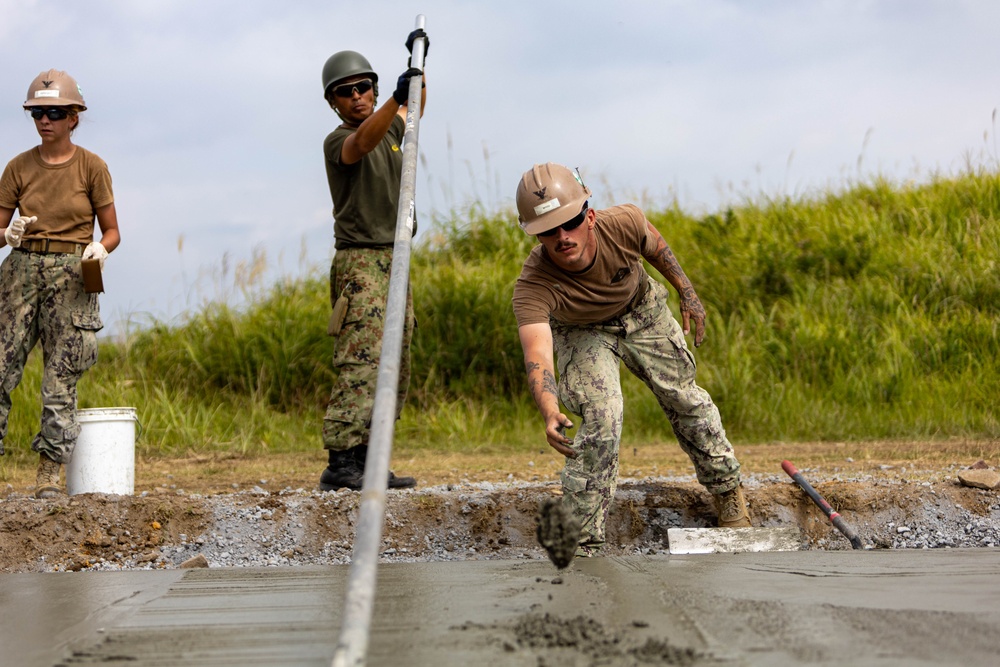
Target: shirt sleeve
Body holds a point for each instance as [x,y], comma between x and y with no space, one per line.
[8,188]
[646,236]
[101,193]
[332,147]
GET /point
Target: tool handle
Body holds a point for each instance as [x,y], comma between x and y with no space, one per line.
[807,487]
[834,517]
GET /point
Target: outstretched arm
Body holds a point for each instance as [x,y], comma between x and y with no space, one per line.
[663,260]
[536,342]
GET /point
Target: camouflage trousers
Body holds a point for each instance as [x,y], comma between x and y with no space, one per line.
[42,299]
[361,275]
[650,342]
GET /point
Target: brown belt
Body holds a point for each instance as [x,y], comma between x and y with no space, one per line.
[48,245]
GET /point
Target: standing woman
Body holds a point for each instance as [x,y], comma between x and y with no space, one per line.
[57,188]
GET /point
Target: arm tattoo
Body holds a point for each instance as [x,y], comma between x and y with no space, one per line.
[549,384]
[668,261]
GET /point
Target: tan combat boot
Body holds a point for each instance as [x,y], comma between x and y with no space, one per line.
[732,509]
[47,478]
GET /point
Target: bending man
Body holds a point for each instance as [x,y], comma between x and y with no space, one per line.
[584,294]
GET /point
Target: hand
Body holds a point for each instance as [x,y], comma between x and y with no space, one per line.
[15,230]
[402,92]
[415,35]
[96,251]
[691,309]
[555,433]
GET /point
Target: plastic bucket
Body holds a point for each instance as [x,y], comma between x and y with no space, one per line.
[104,458]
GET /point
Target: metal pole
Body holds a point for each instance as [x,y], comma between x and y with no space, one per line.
[352,645]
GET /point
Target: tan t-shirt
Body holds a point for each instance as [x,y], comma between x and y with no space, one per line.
[599,293]
[64,197]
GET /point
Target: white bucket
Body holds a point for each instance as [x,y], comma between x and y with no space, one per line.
[104,458]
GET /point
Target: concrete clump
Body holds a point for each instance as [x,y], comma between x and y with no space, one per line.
[558,531]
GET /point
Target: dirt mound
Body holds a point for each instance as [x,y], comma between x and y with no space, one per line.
[482,520]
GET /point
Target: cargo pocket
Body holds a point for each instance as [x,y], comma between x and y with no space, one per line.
[574,483]
[683,352]
[338,316]
[87,324]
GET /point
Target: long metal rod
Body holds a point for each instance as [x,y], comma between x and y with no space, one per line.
[352,645]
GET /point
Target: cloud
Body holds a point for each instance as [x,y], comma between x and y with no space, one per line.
[211,118]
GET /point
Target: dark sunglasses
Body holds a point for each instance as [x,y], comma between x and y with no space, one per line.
[347,89]
[54,113]
[569,225]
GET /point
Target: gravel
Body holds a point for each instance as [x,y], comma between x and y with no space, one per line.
[296,527]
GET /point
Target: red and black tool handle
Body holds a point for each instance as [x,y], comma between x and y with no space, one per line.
[835,518]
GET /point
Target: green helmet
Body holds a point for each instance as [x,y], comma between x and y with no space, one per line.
[344,64]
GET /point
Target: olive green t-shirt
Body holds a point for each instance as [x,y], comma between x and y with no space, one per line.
[365,194]
[64,197]
[602,291]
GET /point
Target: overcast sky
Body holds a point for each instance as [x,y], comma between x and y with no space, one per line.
[211,117]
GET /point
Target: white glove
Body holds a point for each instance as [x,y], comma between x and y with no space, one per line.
[96,251]
[15,230]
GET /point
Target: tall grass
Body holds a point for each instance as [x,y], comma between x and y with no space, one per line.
[867,314]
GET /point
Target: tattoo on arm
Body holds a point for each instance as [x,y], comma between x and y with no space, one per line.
[669,266]
[541,382]
[549,383]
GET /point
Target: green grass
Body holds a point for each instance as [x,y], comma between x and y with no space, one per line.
[867,314]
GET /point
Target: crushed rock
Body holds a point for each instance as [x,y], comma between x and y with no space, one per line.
[891,509]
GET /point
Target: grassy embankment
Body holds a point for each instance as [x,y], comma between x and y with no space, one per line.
[862,316]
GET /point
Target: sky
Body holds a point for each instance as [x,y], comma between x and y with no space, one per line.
[211,117]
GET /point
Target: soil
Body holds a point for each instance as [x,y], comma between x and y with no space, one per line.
[244,519]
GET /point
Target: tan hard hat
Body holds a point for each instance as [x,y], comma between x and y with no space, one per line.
[54,88]
[549,195]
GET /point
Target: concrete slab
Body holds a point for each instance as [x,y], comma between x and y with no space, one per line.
[778,608]
[42,614]
[732,540]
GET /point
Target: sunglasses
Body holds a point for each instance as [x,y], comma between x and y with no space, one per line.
[54,113]
[347,89]
[569,225]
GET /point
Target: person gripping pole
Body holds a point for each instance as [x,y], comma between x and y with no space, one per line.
[364,162]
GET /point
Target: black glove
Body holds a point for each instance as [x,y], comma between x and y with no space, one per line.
[417,34]
[402,92]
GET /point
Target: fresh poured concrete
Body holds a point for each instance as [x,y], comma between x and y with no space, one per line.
[781,608]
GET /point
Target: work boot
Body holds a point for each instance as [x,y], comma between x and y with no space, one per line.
[343,472]
[732,509]
[361,453]
[47,478]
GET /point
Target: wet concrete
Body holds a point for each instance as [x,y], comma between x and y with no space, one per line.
[786,608]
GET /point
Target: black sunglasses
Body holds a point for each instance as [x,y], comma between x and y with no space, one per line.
[54,113]
[569,225]
[347,89]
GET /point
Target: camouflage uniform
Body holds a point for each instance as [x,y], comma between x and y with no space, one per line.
[649,341]
[362,274]
[42,298]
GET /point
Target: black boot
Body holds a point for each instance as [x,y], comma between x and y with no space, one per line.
[361,453]
[342,473]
